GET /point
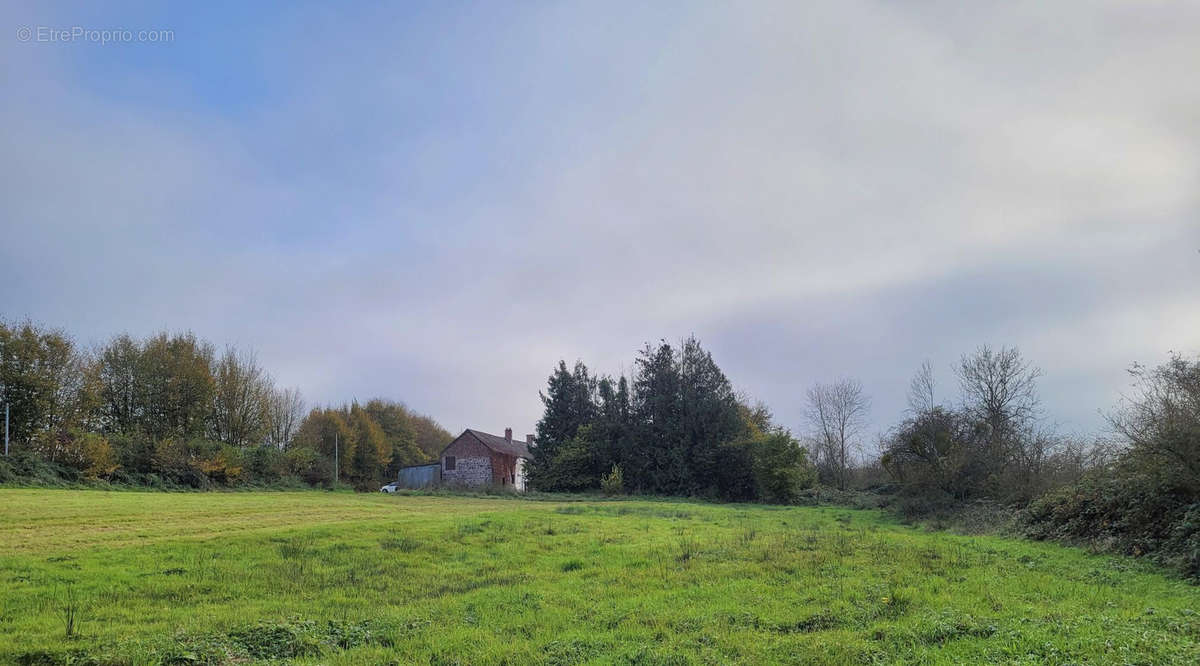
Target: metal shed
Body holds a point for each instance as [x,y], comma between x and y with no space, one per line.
[420,476]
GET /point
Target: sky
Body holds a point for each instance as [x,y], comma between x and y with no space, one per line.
[435,202]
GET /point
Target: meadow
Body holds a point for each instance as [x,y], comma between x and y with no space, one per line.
[95,577]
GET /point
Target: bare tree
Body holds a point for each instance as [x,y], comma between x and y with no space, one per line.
[1161,420]
[999,394]
[1000,389]
[920,390]
[837,414]
[240,398]
[284,412]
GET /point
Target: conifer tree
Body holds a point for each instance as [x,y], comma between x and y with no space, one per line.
[569,405]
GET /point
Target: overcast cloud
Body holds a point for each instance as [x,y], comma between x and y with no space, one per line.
[435,204]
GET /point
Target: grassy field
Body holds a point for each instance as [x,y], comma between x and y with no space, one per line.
[312,577]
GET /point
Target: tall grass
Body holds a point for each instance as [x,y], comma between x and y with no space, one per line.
[321,578]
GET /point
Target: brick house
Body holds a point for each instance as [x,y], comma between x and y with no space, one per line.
[477,458]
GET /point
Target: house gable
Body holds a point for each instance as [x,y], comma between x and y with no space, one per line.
[479,458]
[472,462]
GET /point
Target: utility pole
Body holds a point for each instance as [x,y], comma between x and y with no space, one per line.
[6,429]
[335,459]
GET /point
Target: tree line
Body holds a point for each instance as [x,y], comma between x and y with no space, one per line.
[171,410]
[992,441]
[676,427]
[1134,488]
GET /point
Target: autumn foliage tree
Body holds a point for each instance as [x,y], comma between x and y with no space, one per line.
[43,381]
[167,410]
[400,430]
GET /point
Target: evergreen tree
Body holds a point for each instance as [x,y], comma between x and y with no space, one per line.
[660,458]
[679,430]
[569,405]
[613,429]
[709,419]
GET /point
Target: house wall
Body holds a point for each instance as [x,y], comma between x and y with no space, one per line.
[477,465]
[520,484]
[473,463]
[504,469]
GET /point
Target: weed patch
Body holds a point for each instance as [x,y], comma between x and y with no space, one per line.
[403,544]
[571,565]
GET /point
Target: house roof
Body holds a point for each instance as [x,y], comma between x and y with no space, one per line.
[498,444]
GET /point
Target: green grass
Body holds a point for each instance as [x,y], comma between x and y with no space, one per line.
[335,578]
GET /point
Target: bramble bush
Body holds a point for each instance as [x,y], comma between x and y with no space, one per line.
[1147,502]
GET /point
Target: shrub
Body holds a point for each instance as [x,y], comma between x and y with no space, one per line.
[27,467]
[1131,512]
[1148,501]
[264,463]
[135,452]
[279,640]
[781,468]
[613,483]
[572,467]
[222,466]
[100,460]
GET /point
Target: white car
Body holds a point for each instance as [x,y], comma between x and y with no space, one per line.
[391,487]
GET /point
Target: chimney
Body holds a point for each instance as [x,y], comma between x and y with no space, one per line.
[508,434]
[529,440]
